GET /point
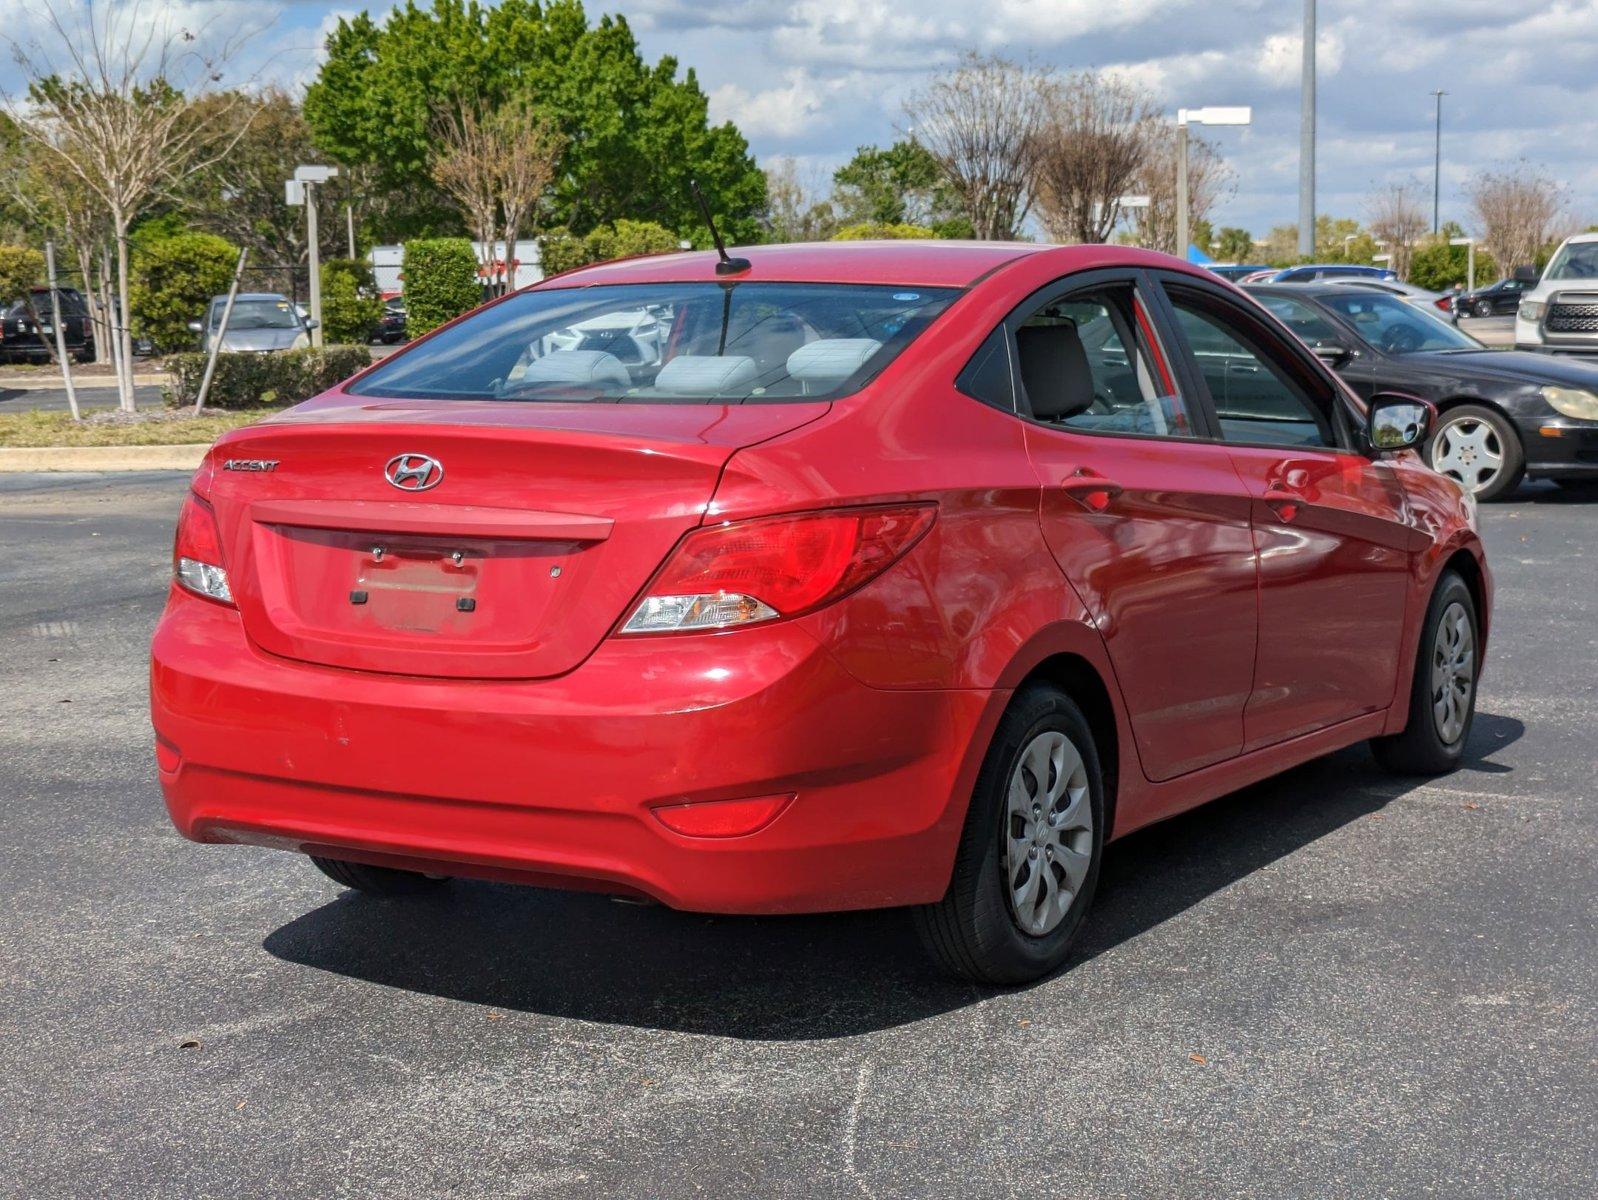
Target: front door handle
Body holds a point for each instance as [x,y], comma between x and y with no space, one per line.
[1090,489]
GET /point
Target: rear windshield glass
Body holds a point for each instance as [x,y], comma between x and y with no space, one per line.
[673,343]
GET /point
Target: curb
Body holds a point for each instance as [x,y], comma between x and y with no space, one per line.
[90,383]
[102,458]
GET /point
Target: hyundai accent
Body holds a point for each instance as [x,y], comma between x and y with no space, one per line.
[900,574]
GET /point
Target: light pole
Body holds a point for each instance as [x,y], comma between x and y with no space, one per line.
[1306,139]
[1236,115]
[302,190]
[1437,163]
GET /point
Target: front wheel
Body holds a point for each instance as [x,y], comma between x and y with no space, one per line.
[1479,449]
[1484,308]
[1442,697]
[1028,860]
[376,881]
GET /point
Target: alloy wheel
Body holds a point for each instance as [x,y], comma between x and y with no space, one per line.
[1453,672]
[1048,832]
[1468,450]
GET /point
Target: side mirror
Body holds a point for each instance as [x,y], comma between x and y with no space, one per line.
[194,327]
[1395,421]
[1333,354]
[1527,274]
[311,323]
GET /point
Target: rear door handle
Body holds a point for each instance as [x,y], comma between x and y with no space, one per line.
[1090,489]
[1283,503]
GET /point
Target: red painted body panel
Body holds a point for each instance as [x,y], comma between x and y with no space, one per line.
[529,743]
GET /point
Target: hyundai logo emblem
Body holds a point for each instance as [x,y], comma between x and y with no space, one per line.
[414,472]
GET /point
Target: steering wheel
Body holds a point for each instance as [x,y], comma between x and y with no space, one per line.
[1401,339]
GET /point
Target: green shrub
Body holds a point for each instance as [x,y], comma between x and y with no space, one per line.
[561,250]
[1440,266]
[441,282]
[351,306]
[174,278]
[254,380]
[20,269]
[868,231]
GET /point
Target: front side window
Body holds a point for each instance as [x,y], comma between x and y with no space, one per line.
[1255,400]
[1087,363]
[666,343]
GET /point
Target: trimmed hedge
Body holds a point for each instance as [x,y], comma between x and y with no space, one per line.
[174,279]
[868,231]
[441,282]
[351,307]
[254,380]
[561,250]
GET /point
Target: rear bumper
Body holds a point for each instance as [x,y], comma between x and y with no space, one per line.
[553,781]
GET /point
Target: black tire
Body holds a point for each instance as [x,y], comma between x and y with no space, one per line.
[376,881]
[1484,308]
[1422,748]
[973,931]
[1513,469]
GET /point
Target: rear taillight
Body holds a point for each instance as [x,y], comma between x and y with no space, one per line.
[1445,303]
[744,572]
[197,552]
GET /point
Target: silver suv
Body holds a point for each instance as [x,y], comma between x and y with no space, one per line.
[1559,313]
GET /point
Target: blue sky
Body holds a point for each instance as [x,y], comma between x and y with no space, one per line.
[813,79]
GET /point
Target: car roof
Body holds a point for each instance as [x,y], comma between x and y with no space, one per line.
[923,263]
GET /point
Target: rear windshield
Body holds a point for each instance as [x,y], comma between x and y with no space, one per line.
[666,343]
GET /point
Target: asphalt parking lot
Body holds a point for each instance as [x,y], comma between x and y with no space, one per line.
[1334,983]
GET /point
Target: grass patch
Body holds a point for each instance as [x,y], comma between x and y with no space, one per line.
[155,427]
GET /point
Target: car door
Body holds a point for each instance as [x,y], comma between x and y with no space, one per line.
[1144,513]
[1329,524]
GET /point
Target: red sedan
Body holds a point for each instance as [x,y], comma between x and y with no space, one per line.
[853,575]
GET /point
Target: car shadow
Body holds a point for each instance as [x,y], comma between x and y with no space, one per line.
[581,956]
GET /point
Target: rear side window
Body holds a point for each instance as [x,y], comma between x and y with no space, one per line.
[1087,363]
[679,343]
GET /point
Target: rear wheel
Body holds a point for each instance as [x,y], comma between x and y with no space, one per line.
[1478,448]
[376,881]
[1484,308]
[1442,700]
[1028,861]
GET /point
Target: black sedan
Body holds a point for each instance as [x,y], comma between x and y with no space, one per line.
[1502,414]
[1494,300]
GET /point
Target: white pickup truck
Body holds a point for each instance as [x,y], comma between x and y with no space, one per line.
[1559,313]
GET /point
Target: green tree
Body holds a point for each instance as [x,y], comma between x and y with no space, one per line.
[633,134]
[351,307]
[174,278]
[441,282]
[1233,244]
[901,185]
[1439,266]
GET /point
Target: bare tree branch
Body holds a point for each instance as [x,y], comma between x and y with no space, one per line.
[1398,220]
[1093,142]
[1518,211]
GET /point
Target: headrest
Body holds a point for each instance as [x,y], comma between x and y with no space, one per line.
[707,375]
[831,360]
[594,368]
[1054,370]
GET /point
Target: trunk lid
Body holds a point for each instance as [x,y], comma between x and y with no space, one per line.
[546,522]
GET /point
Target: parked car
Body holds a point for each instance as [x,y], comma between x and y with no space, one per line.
[261,322]
[1494,300]
[1502,414]
[912,574]
[1236,271]
[23,338]
[1439,303]
[1314,272]
[1558,311]
[391,325]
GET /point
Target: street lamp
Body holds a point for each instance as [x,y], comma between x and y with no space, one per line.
[1236,115]
[1437,163]
[302,190]
[1470,260]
